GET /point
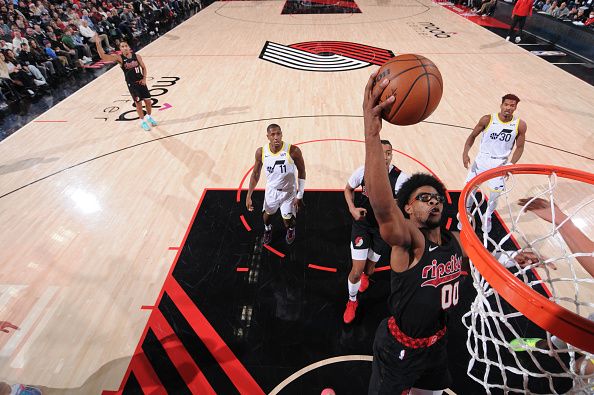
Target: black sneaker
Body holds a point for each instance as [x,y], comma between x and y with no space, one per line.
[267,236]
[290,238]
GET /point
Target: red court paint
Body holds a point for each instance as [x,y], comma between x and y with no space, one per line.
[274,251]
[245,224]
[234,369]
[179,356]
[323,268]
[238,198]
[165,106]
[146,376]
[147,307]
[169,275]
[173,248]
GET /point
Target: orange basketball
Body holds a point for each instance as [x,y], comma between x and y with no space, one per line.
[416,85]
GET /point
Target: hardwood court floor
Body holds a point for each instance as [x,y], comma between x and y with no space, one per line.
[93,208]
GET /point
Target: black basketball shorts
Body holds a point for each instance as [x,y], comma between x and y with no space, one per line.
[138,91]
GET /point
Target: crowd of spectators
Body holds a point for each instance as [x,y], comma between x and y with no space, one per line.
[579,11]
[43,42]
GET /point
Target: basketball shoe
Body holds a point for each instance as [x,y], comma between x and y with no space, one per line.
[349,312]
[364,282]
[267,236]
[144,124]
[290,238]
[150,119]
[20,389]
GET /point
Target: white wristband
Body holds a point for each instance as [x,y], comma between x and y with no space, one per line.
[506,258]
[300,188]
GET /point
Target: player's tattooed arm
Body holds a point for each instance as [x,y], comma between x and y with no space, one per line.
[254,178]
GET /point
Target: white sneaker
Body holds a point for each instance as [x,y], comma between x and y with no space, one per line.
[507,38]
[518,39]
[486,228]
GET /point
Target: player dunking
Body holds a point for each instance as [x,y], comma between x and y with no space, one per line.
[135,74]
[409,351]
[279,159]
[367,245]
[500,132]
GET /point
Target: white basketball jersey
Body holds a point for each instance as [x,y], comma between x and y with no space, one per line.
[499,137]
[279,167]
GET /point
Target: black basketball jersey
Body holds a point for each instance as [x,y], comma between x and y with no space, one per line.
[421,295]
[132,69]
[362,200]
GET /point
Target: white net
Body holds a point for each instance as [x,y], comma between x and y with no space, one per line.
[552,218]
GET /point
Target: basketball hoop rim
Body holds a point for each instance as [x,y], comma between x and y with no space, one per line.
[572,328]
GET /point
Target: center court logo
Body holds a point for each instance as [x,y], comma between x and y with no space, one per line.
[430,29]
[324,56]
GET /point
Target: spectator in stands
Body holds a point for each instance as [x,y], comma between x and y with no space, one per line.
[580,16]
[5,45]
[66,59]
[557,11]
[521,11]
[106,27]
[79,41]
[563,11]
[486,7]
[83,52]
[39,34]
[572,13]
[590,21]
[552,8]
[27,58]
[90,35]
[14,66]
[17,41]
[16,79]
[85,17]
[40,56]
[4,30]
[540,4]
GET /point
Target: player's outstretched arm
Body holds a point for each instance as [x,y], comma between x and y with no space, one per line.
[394,228]
[254,178]
[480,126]
[103,55]
[575,239]
[520,141]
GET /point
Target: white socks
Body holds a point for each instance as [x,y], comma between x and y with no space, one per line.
[353,290]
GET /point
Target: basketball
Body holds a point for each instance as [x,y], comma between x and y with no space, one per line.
[417,86]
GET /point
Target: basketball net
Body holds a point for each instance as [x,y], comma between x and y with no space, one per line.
[551,299]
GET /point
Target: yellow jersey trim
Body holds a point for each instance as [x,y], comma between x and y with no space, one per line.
[289,159]
[279,151]
[503,122]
